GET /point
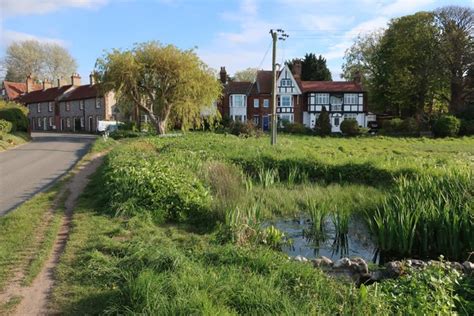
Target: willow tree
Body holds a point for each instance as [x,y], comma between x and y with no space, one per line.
[170,85]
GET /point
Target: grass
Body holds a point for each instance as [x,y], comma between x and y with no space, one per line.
[137,255]
[10,140]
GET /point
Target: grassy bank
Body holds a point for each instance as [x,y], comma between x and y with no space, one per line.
[173,226]
[11,140]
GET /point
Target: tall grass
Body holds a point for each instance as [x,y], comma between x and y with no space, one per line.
[427,216]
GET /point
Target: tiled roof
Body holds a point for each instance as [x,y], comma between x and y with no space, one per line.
[16,89]
[241,87]
[264,81]
[82,92]
[331,86]
[44,95]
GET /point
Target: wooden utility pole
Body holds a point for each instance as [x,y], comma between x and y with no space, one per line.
[278,34]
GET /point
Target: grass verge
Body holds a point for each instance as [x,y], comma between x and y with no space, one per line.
[8,141]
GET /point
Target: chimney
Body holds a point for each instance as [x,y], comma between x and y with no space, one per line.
[75,79]
[29,84]
[223,75]
[357,77]
[296,69]
[61,82]
[47,84]
[91,79]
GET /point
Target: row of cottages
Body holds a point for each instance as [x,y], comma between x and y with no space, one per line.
[68,107]
[297,101]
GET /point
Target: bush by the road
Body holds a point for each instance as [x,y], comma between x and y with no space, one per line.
[15,113]
[350,127]
[5,126]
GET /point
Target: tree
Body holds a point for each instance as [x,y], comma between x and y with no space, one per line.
[170,85]
[247,75]
[457,46]
[312,68]
[42,60]
[408,77]
[323,124]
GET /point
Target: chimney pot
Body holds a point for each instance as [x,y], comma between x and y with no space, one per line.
[223,75]
[29,83]
[47,84]
[91,79]
[75,79]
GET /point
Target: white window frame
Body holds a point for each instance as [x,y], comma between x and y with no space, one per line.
[40,119]
[351,98]
[50,106]
[286,97]
[256,103]
[81,104]
[68,122]
[350,116]
[256,120]
[266,103]
[336,107]
[68,106]
[39,107]
[98,103]
[322,98]
[333,99]
[241,98]
[51,121]
[285,82]
[82,121]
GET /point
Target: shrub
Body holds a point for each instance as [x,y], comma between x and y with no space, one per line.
[5,126]
[410,125]
[392,126]
[350,127]
[246,129]
[119,134]
[466,128]
[446,125]
[15,113]
[323,124]
[295,128]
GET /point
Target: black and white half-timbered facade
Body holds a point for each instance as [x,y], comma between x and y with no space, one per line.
[297,101]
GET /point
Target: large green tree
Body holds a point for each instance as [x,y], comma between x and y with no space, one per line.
[457,48]
[409,78]
[170,85]
[42,60]
[312,68]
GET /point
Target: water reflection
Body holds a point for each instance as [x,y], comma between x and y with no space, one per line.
[326,241]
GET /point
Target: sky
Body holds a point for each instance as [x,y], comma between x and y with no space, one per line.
[230,33]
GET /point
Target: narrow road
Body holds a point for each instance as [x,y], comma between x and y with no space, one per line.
[33,167]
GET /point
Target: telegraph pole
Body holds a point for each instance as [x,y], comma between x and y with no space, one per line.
[278,34]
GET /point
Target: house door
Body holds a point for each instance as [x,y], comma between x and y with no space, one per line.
[77,124]
[266,122]
[91,121]
[45,127]
[336,123]
[61,122]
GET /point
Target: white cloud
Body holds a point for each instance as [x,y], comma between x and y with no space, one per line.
[324,22]
[399,7]
[9,36]
[26,7]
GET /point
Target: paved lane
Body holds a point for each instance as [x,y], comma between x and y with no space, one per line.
[31,168]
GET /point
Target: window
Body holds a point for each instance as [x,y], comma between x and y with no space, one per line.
[336,107]
[238,100]
[82,122]
[81,105]
[98,103]
[50,121]
[285,101]
[322,98]
[266,103]
[238,118]
[68,106]
[350,116]
[39,108]
[39,121]
[50,106]
[256,103]
[68,122]
[350,98]
[256,120]
[286,82]
[336,100]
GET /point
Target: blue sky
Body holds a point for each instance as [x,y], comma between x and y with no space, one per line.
[231,33]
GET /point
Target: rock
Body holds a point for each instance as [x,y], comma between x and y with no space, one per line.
[301,258]
[377,275]
[325,261]
[418,263]
[394,268]
[359,265]
[457,266]
[364,278]
[468,267]
[342,263]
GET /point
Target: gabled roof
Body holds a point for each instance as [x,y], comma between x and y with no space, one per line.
[331,86]
[16,89]
[240,87]
[44,95]
[82,92]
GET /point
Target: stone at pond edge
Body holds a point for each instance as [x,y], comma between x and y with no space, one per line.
[468,267]
[394,268]
[301,258]
[342,263]
[323,262]
[359,265]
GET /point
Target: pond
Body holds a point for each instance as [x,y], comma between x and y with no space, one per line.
[356,243]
